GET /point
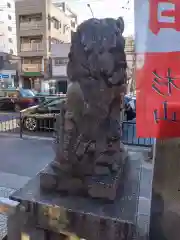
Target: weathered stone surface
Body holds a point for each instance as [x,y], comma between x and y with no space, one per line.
[86,217]
[102,170]
[90,126]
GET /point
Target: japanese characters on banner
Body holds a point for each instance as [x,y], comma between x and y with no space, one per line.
[157,26]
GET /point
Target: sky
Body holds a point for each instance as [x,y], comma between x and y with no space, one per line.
[106,8]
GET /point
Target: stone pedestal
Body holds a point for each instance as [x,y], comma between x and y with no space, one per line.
[88,218]
[165,203]
[107,178]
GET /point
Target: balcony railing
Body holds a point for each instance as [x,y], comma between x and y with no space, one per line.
[31,67]
[31,25]
[31,47]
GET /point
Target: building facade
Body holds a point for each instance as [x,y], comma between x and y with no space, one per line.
[130,57]
[59,58]
[8,70]
[40,24]
[8,41]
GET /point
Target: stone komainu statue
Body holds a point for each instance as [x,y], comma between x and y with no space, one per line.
[89,158]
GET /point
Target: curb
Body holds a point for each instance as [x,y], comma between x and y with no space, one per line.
[138,148]
[17,135]
[26,137]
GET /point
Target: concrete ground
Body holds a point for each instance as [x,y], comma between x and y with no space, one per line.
[143,216]
[20,160]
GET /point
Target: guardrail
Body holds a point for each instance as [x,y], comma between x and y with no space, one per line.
[43,125]
[31,124]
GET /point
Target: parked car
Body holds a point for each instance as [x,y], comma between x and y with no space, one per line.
[41,117]
[44,96]
[16,99]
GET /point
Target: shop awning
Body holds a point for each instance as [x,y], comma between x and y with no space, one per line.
[32,74]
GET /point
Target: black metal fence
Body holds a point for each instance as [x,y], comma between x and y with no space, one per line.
[129,135]
[32,125]
[43,125]
[9,122]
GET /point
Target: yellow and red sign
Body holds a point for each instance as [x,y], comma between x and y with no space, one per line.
[157,24]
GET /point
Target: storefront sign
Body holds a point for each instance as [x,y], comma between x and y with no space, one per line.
[157,24]
[4,76]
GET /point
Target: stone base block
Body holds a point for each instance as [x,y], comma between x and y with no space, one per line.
[87,217]
[103,184]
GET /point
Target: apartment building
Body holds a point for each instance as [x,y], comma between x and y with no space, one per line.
[8,43]
[39,25]
[8,70]
[130,57]
[59,56]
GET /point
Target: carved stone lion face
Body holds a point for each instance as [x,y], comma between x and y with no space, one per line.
[97,60]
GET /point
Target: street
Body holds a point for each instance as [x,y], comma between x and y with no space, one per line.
[23,157]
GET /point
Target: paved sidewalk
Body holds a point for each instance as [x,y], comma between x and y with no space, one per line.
[20,160]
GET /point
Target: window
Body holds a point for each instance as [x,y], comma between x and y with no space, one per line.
[55,23]
[49,22]
[49,39]
[26,93]
[26,61]
[9,17]
[11,51]
[8,5]
[61,61]
[64,29]
[31,61]
[30,18]
[9,28]
[36,61]
[73,24]
[10,40]
[60,25]
[37,18]
[36,40]
[54,103]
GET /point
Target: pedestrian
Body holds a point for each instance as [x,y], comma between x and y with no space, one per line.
[130,110]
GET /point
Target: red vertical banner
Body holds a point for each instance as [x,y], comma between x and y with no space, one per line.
[157,25]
